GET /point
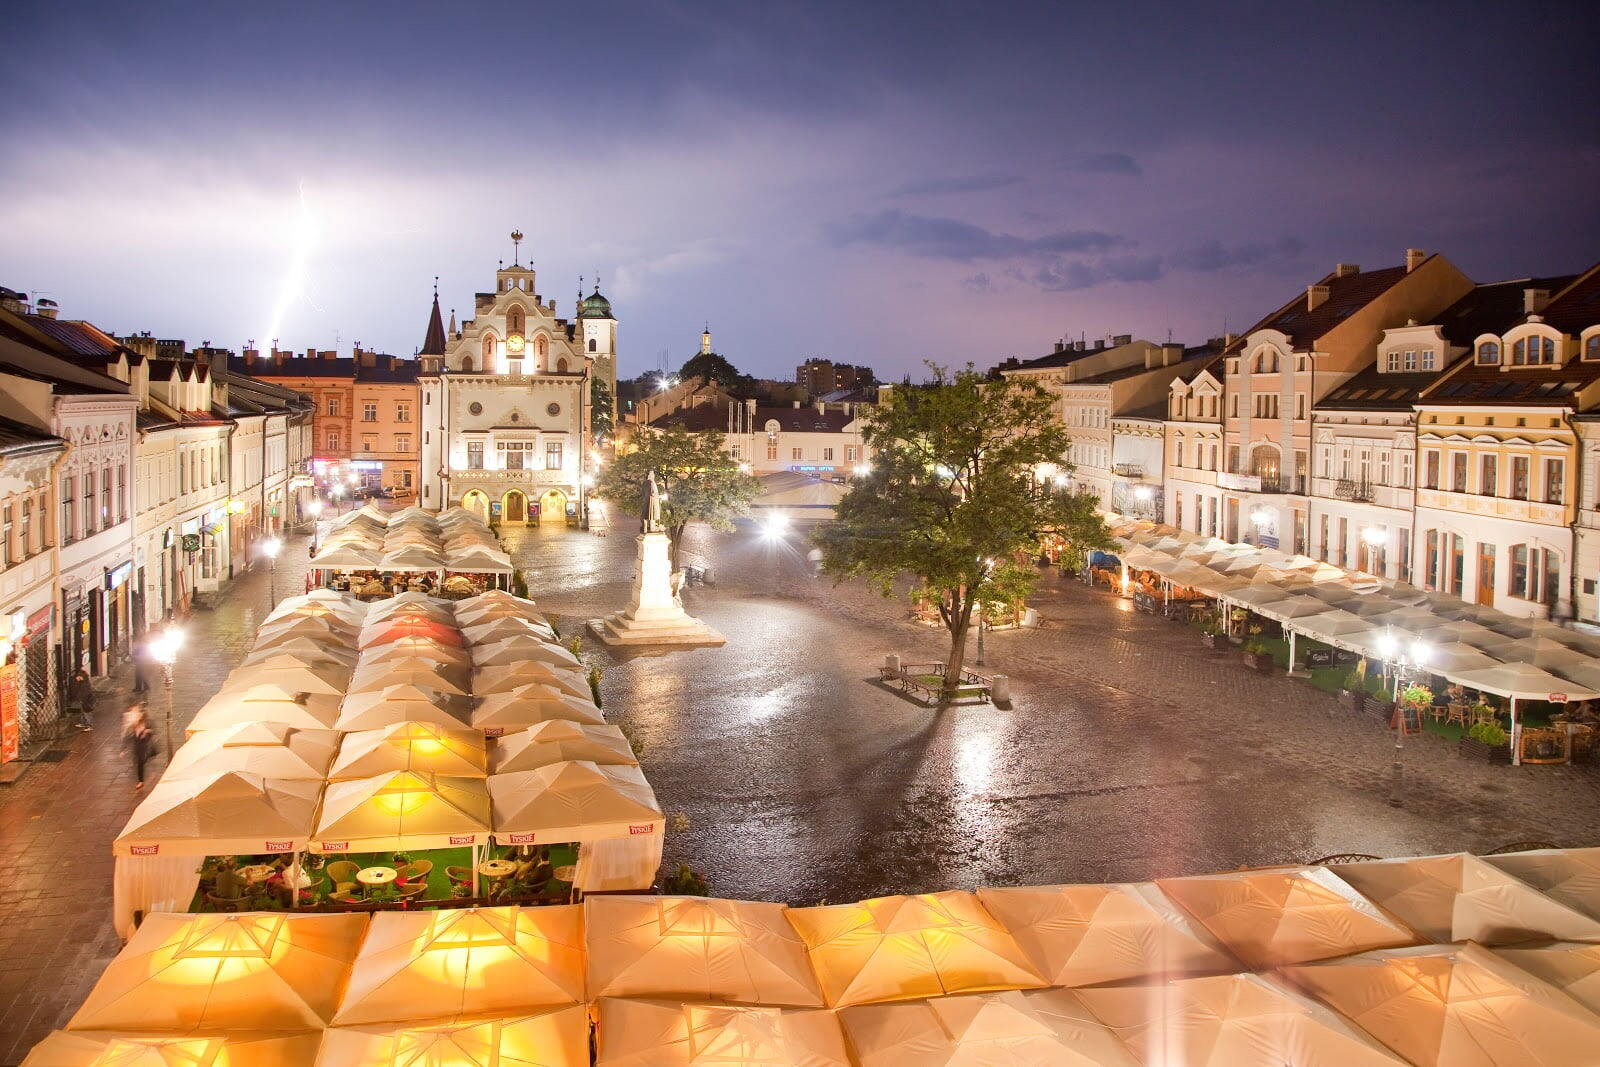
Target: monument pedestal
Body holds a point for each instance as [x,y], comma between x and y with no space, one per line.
[655,617]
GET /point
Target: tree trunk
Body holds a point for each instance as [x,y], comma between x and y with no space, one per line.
[961,622]
[675,542]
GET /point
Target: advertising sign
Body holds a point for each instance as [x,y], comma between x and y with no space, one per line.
[10,715]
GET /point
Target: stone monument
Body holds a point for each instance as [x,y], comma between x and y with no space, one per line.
[656,616]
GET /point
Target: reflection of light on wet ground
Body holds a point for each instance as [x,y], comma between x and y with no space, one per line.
[976,751]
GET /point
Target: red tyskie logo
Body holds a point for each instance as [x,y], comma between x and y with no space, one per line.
[646,828]
[144,850]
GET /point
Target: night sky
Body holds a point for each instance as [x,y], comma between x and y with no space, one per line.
[874,182]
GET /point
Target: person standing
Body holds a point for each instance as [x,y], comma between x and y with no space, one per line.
[80,700]
[141,667]
[136,734]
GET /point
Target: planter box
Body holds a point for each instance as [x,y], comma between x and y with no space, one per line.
[1213,641]
[1258,661]
[1477,750]
[1354,699]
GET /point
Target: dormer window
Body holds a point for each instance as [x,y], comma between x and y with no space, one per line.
[1267,361]
[1489,353]
[1533,352]
[1591,348]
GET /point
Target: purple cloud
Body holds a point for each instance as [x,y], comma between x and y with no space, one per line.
[940,238]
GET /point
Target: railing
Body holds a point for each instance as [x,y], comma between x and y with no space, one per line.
[1128,470]
[1262,483]
[530,475]
[1349,489]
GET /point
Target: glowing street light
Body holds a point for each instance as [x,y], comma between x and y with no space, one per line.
[1375,536]
[1143,493]
[163,648]
[863,469]
[1408,662]
[774,524]
[270,548]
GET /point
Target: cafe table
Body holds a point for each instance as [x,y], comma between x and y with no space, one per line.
[376,876]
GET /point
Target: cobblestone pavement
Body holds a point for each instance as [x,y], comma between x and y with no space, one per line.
[1129,752]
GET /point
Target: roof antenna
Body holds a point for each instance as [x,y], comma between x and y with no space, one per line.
[516,248]
[436,287]
[580,292]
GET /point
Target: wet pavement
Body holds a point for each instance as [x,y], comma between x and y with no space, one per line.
[1129,752]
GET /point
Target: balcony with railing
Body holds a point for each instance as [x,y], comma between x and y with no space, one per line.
[1352,489]
[1128,470]
[1265,482]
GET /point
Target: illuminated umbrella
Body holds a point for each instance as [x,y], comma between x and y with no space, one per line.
[427,631]
[411,746]
[1040,1027]
[670,1033]
[517,649]
[401,703]
[493,630]
[558,741]
[230,813]
[304,649]
[416,648]
[550,1037]
[441,677]
[134,1048]
[271,750]
[402,810]
[307,712]
[574,801]
[504,679]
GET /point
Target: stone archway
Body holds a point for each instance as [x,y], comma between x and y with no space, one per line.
[514,508]
[553,507]
[477,502]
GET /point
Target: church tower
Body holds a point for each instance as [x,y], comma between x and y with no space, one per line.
[598,328]
[431,354]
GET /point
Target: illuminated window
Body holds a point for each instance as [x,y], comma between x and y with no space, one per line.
[552,455]
[1519,477]
[1489,353]
[369,412]
[1591,347]
[1555,480]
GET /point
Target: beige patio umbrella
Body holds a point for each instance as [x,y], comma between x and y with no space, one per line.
[696,948]
[904,947]
[1462,898]
[409,606]
[271,750]
[131,1048]
[346,557]
[1044,1026]
[228,813]
[573,801]
[1337,627]
[1571,966]
[251,971]
[1568,875]
[669,1033]
[272,663]
[517,649]
[327,680]
[513,676]
[559,740]
[401,703]
[676,1034]
[411,746]
[1455,1006]
[530,706]
[1230,1021]
[439,677]
[1088,934]
[455,963]
[402,811]
[307,711]
[1455,657]
[548,1037]
[301,649]
[493,630]
[494,611]
[310,626]
[1285,914]
[416,648]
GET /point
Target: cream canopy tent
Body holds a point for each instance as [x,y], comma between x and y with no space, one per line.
[401,703]
[478,610]
[532,705]
[904,947]
[1455,1006]
[433,964]
[233,813]
[1230,1021]
[1569,875]
[403,810]
[663,1033]
[697,948]
[270,750]
[1286,914]
[236,1048]
[304,649]
[1525,682]
[550,1037]
[1571,966]
[439,677]
[574,801]
[346,556]
[1043,1027]
[477,559]
[493,630]
[411,746]
[492,680]
[557,741]
[515,650]
[1089,934]
[416,648]
[326,678]
[307,712]
[1463,898]
[225,972]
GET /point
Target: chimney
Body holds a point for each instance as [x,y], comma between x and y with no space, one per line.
[1317,295]
[1060,345]
[1344,270]
[1077,346]
[1171,352]
[1534,300]
[797,405]
[1414,258]
[45,308]
[1122,339]
[12,301]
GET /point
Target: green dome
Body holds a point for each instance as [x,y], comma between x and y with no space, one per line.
[594,306]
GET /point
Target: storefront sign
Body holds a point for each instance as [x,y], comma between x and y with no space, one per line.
[41,619]
[334,846]
[191,543]
[10,715]
[365,465]
[119,574]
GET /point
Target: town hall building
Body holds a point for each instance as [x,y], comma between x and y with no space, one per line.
[505,402]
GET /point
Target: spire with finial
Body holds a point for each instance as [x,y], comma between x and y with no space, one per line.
[516,249]
[705,340]
[580,292]
[433,341]
[452,322]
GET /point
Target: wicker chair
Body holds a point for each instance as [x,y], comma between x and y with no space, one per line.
[1522,846]
[1344,857]
[342,873]
[459,875]
[416,870]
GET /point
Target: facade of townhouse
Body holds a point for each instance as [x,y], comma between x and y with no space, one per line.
[1192,447]
[824,440]
[505,403]
[1498,456]
[1287,363]
[29,458]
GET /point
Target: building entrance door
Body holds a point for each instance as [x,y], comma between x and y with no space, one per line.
[515,511]
[1486,575]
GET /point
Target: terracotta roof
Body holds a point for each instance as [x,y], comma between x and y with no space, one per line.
[1469,383]
[1056,359]
[1346,296]
[20,439]
[1492,308]
[1576,308]
[76,337]
[1373,390]
[715,417]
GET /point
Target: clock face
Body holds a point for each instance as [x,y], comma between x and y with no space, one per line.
[515,342]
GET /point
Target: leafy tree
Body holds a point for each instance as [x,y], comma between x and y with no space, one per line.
[600,413]
[954,497]
[698,479]
[712,367]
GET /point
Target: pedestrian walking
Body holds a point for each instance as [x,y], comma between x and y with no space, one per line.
[80,700]
[139,738]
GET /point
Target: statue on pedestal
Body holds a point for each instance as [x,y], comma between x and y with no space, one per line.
[650,518]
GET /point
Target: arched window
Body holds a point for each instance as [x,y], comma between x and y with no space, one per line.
[541,346]
[1591,347]
[466,364]
[592,345]
[514,320]
[488,350]
[1489,353]
[561,365]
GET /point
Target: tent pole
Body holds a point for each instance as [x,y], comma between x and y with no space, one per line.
[474,869]
[1516,746]
[1291,651]
[294,872]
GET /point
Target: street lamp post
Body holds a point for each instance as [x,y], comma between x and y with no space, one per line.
[164,650]
[988,567]
[270,548]
[1408,664]
[773,527]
